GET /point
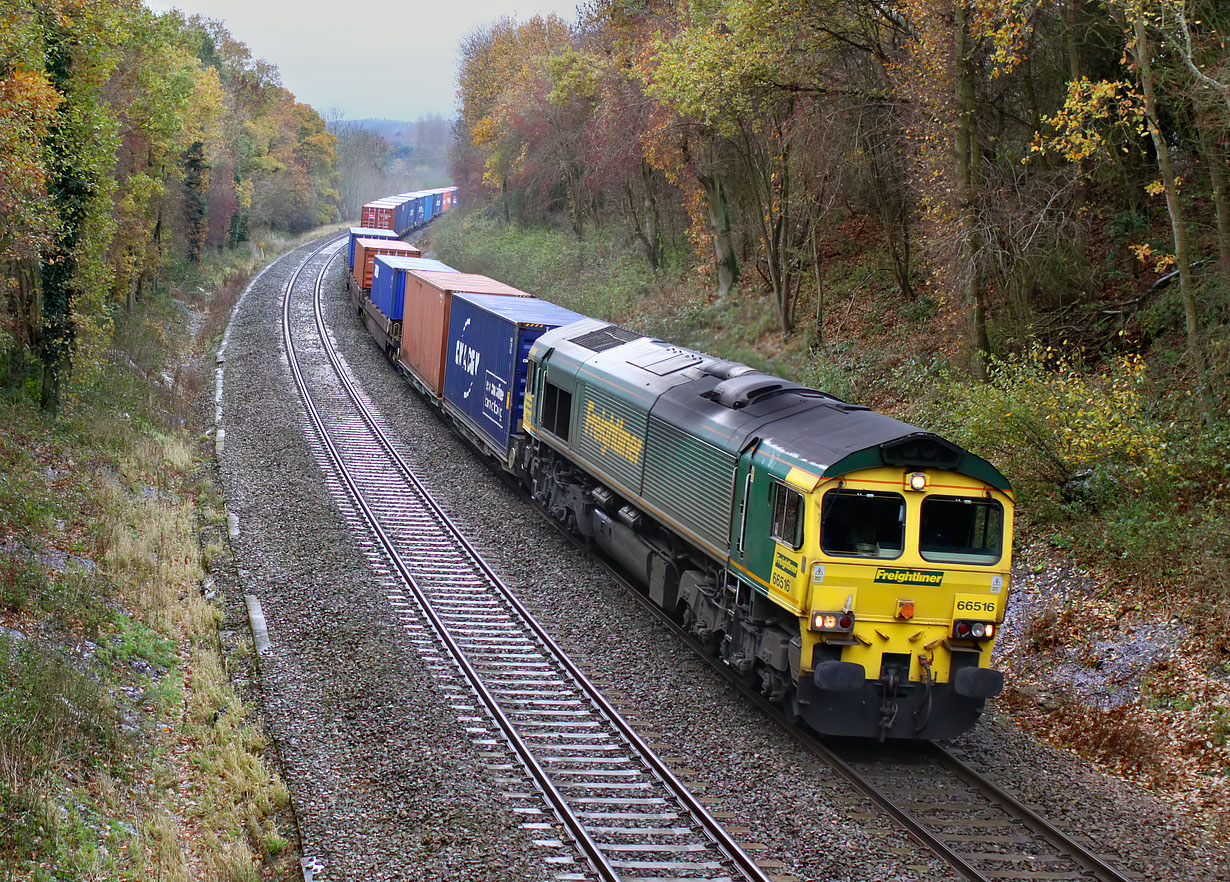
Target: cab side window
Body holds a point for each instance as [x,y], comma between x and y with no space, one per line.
[556,410]
[787,515]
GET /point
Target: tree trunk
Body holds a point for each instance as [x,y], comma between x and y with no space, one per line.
[892,207]
[966,149]
[1215,158]
[723,237]
[25,306]
[1073,19]
[1178,224]
[815,262]
[648,230]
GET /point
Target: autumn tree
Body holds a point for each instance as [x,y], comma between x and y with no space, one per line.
[107,148]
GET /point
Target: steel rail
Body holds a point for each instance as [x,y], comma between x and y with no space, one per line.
[1029,818]
[710,825]
[586,843]
[809,742]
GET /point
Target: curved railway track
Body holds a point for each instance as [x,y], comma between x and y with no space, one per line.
[625,813]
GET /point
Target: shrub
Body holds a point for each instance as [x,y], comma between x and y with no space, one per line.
[49,713]
[1125,470]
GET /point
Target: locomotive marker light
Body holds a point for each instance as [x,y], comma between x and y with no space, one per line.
[968,630]
[916,481]
[831,621]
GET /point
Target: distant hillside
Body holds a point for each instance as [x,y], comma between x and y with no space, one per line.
[391,129]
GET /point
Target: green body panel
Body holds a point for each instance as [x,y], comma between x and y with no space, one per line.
[974,466]
[691,481]
[759,546]
[610,432]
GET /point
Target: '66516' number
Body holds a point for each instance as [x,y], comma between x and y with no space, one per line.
[976,606]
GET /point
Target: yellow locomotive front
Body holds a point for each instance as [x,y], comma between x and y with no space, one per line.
[906,582]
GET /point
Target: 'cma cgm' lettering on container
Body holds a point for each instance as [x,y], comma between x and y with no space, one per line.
[610,434]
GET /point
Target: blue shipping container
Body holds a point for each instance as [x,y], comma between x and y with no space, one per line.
[364,233]
[437,204]
[489,340]
[389,280]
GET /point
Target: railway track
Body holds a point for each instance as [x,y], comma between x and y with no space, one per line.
[981,831]
[618,805]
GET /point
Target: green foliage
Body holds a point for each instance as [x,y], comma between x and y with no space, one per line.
[598,276]
[1114,461]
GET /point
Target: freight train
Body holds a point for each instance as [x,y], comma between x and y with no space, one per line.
[853,567]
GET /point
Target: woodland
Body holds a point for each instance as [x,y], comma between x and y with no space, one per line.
[131,142]
[1042,188]
[1015,157]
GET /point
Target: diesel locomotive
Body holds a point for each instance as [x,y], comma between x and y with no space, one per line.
[851,566]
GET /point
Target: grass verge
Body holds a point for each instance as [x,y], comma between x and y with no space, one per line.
[125,751]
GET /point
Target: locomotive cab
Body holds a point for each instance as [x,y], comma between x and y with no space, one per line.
[898,576]
[906,589]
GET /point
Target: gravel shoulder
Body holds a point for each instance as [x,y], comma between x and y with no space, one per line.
[377,762]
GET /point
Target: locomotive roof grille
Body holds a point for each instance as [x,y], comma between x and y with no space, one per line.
[606,338]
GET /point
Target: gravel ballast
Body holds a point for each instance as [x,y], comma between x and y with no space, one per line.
[386,782]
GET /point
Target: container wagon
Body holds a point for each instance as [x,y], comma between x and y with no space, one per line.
[365,251]
[489,342]
[364,233]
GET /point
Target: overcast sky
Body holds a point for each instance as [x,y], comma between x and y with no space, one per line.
[394,59]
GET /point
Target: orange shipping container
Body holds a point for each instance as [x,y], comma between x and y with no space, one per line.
[378,214]
[424,327]
[365,251]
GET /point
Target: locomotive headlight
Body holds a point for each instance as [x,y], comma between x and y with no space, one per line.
[977,630]
[916,481]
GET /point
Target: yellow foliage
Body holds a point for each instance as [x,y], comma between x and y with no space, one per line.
[1090,113]
[1044,422]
